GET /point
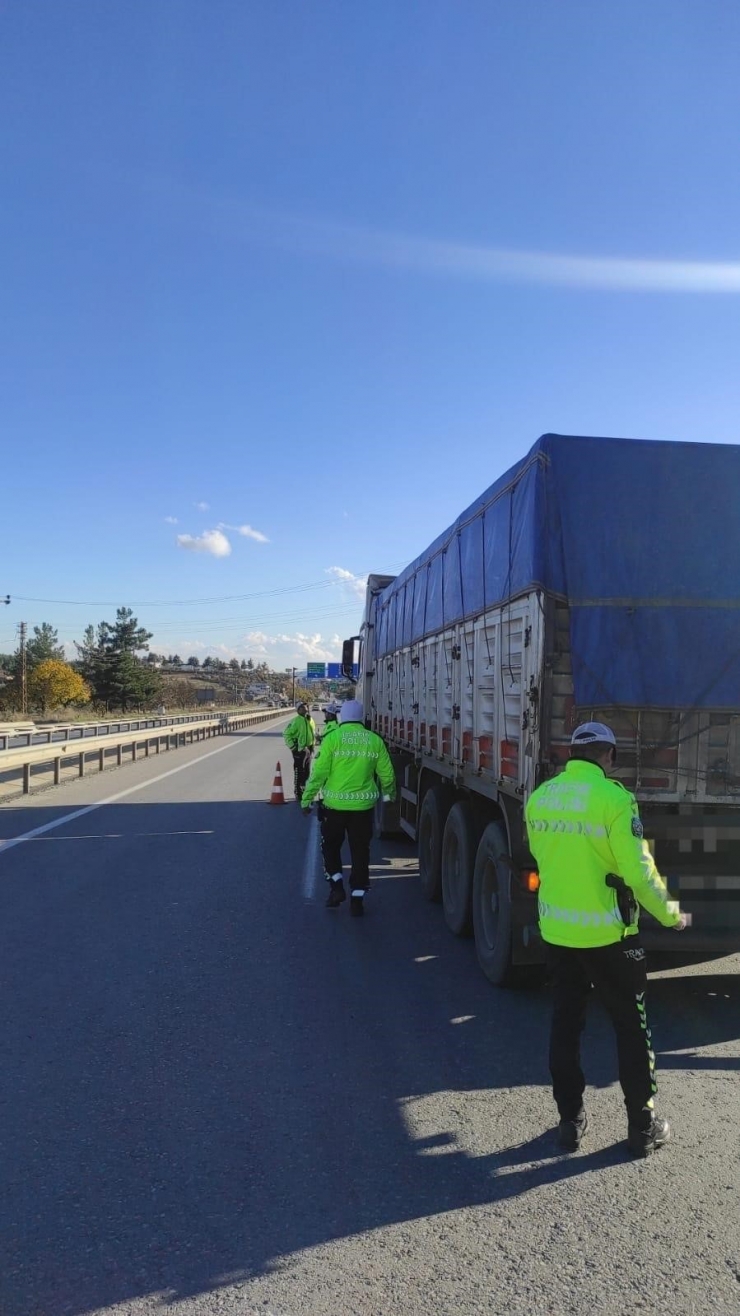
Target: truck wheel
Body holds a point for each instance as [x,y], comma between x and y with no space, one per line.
[492,906]
[458,859]
[432,814]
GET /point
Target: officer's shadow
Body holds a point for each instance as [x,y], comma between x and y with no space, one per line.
[546,1161]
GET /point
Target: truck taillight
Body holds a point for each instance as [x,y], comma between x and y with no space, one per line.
[529,879]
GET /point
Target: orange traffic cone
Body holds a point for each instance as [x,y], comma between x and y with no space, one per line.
[277,796]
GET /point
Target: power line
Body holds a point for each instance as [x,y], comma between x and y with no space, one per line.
[182,603]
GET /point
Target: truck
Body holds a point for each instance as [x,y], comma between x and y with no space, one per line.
[596,580]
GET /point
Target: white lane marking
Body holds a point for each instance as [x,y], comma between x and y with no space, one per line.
[118,836]
[311,862]
[120,795]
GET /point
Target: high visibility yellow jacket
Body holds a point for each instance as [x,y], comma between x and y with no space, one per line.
[300,733]
[346,769]
[328,729]
[581,825]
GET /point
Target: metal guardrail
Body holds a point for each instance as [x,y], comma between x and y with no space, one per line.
[23,765]
[92,730]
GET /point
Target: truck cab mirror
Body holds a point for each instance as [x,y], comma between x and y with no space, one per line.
[348,659]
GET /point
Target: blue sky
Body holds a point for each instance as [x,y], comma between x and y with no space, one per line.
[329,269]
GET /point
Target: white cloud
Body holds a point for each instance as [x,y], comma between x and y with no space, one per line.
[171,520]
[354,585]
[246,531]
[337,241]
[197,646]
[296,647]
[211,541]
[202,507]
[278,649]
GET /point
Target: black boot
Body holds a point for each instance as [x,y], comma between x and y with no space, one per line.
[642,1142]
[337,894]
[357,906]
[570,1132]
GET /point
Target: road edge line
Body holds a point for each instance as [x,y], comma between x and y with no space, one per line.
[11,841]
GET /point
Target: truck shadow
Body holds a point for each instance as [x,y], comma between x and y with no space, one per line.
[203,1074]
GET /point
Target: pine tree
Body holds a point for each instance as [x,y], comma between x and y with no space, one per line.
[43,646]
[108,661]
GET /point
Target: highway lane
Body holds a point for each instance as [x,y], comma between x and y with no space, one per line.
[217,1094]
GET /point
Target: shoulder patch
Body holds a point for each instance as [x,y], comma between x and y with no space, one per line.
[637,828]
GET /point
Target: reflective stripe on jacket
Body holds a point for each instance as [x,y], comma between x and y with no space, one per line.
[581,826]
[300,733]
[346,769]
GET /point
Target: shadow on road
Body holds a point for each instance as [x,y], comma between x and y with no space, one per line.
[202,1074]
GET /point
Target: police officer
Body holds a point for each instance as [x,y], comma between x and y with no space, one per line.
[331,721]
[595,868]
[345,773]
[300,737]
[331,724]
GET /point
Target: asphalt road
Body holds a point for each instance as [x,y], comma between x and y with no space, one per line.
[218,1097]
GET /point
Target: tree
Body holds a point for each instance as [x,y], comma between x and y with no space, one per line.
[91,659]
[177,692]
[108,661]
[208,661]
[234,664]
[54,684]
[250,665]
[43,645]
[193,661]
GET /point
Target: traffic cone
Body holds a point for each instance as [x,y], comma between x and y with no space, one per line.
[277,796]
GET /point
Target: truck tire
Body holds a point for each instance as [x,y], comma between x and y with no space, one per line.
[492,906]
[432,815]
[458,860]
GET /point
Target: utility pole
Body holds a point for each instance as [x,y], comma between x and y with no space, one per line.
[23,630]
[292,697]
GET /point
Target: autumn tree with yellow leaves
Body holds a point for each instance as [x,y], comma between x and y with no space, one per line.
[54,684]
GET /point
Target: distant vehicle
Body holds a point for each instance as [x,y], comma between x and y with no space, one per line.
[595,580]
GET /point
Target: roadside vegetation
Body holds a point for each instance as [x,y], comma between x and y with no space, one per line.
[115,671]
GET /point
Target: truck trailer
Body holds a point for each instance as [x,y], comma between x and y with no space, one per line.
[597,579]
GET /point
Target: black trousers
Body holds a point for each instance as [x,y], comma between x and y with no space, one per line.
[618,975]
[357,826]
[301,770]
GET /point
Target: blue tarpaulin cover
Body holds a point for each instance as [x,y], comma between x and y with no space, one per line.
[641,538]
